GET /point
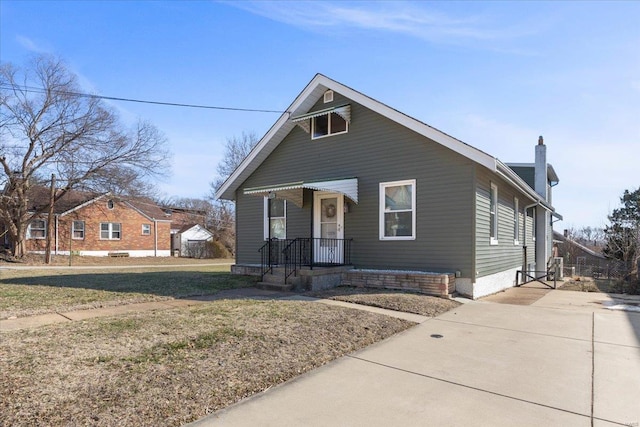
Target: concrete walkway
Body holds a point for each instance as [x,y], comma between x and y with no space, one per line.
[564,360]
[240,293]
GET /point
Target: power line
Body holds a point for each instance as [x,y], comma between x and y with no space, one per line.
[32,89]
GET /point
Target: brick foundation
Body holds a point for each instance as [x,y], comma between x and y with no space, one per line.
[438,284]
[246,270]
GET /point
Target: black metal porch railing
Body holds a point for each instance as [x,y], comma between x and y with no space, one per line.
[272,255]
[292,254]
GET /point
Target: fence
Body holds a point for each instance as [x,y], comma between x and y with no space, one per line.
[609,269]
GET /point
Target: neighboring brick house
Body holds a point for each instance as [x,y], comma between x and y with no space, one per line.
[100,224]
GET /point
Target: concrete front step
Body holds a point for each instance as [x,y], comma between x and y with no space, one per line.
[273,278]
[268,286]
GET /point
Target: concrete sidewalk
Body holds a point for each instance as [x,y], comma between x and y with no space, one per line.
[13,324]
[563,361]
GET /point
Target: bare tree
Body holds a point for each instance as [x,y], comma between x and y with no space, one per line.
[235,151]
[47,126]
[623,233]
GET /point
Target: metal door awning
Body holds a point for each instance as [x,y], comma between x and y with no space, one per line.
[293,191]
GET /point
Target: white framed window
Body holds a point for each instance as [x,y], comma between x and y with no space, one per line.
[77,230]
[516,221]
[37,229]
[398,210]
[146,229]
[110,231]
[328,124]
[493,214]
[275,224]
[110,204]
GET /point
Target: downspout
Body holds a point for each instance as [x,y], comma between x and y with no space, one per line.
[311,226]
[155,237]
[524,245]
[57,224]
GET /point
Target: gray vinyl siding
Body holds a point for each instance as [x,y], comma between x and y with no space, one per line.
[527,173]
[530,243]
[506,254]
[375,150]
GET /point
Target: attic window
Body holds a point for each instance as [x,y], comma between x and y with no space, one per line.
[110,204]
[329,124]
[328,96]
[330,121]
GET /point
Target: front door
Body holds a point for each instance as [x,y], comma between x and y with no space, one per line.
[328,228]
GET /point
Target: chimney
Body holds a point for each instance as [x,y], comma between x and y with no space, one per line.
[541,169]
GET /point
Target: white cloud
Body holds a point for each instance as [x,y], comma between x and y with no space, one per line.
[31,45]
[412,19]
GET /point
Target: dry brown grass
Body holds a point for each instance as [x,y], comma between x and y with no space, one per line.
[390,299]
[25,292]
[62,260]
[173,366]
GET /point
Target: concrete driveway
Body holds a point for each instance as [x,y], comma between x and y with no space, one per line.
[564,360]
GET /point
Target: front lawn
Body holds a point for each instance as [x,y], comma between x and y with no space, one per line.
[170,367]
[30,292]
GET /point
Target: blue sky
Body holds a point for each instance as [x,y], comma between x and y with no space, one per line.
[493,74]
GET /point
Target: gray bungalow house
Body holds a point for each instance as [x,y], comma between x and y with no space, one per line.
[345,189]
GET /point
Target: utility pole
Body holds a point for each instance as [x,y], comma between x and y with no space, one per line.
[52,195]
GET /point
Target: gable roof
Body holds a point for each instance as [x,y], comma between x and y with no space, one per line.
[38,198]
[73,200]
[147,207]
[308,98]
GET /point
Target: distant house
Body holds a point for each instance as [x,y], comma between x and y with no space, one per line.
[574,252]
[345,189]
[93,224]
[191,241]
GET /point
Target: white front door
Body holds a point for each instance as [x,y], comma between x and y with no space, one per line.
[328,228]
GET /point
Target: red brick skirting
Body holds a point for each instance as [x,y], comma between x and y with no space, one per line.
[438,284]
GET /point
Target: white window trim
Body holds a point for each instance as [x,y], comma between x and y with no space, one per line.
[148,230]
[266,218]
[111,231]
[73,230]
[313,127]
[29,228]
[493,240]
[516,221]
[381,211]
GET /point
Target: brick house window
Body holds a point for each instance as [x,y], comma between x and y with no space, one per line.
[77,230]
[146,229]
[110,231]
[37,229]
